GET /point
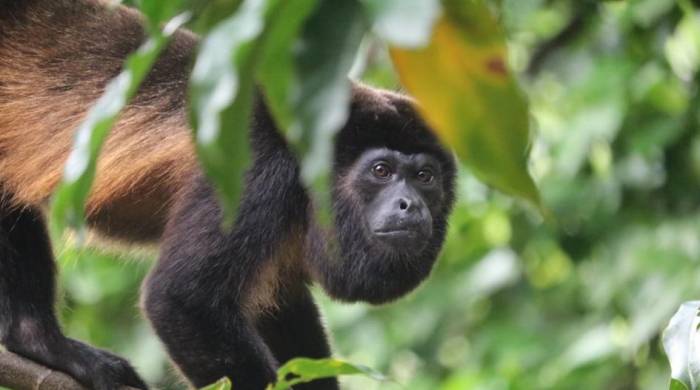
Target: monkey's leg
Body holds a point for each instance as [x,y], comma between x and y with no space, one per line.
[295,330]
[28,324]
[208,342]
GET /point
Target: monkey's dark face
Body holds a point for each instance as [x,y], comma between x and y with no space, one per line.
[393,191]
[399,193]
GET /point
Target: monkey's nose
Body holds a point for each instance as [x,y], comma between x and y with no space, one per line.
[408,205]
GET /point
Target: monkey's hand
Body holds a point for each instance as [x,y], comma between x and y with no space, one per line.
[94,368]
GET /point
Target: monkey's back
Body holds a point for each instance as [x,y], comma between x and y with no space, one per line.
[56,56]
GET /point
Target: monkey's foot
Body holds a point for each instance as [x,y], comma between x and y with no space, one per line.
[94,368]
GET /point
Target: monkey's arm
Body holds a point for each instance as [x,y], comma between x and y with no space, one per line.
[295,330]
[202,297]
[195,295]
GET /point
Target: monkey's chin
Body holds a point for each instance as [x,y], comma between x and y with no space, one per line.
[383,294]
[383,284]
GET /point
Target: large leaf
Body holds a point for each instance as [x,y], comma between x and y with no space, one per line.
[277,73]
[301,370]
[310,95]
[221,99]
[682,345]
[328,47]
[79,172]
[304,75]
[468,96]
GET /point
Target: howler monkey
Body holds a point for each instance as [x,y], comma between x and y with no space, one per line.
[233,303]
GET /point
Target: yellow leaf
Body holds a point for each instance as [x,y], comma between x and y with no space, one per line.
[469,97]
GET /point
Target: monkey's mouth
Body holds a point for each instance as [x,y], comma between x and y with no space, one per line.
[409,233]
[403,229]
[402,240]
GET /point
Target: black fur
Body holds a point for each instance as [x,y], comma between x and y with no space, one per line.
[195,295]
[362,270]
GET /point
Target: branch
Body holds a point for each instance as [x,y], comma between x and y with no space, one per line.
[18,373]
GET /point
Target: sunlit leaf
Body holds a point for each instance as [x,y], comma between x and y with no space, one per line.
[71,195]
[682,345]
[469,97]
[221,384]
[301,370]
[404,23]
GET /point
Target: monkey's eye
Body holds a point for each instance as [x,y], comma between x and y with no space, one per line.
[425,176]
[381,170]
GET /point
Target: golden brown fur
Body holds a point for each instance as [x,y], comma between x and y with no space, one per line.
[276,276]
[55,60]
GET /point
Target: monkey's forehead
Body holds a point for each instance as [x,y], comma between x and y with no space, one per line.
[360,136]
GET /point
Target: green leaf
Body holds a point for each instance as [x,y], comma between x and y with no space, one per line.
[677,385]
[211,12]
[221,384]
[470,98]
[327,49]
[305,77]
[221,91]
[79,173]
[157,11]
[681,344]
[301,370]
[278,73]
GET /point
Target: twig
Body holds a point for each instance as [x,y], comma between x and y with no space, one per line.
[18,373]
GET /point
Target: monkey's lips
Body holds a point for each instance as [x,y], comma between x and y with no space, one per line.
[402,239]
[408,233]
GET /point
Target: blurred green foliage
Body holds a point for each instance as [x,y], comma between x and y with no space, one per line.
[516,304]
